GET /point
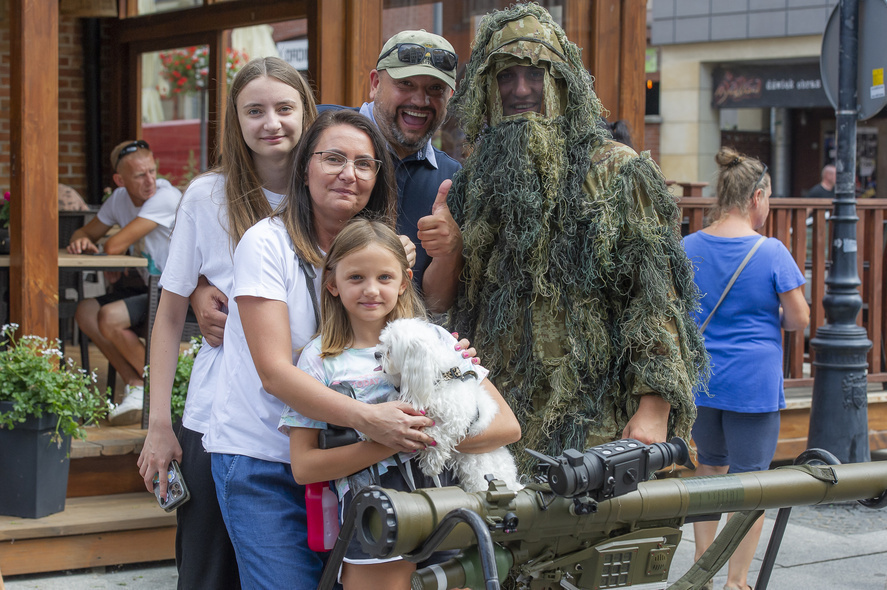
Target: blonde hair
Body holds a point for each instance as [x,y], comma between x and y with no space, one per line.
[335,326]
[738,179]
[244,197]
[297,210]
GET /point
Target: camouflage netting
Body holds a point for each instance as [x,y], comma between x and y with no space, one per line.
[576,289]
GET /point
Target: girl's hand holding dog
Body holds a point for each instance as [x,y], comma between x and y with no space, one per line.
[396,425]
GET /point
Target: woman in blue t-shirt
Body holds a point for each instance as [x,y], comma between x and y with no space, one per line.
[737,426]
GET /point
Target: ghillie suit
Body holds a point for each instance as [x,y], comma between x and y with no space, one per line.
[576,289]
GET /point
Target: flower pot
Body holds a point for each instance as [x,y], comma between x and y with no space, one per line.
[34,468]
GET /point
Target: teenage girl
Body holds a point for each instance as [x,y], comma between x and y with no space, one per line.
[366,283]
[268,106]
[342,170]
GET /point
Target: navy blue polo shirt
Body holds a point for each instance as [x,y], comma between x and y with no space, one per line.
[418,177]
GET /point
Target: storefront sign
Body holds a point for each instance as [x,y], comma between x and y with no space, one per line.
[294,52]
[796,86]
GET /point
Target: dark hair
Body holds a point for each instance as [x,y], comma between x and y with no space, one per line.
[738,179]
[618,131]
[245,200]
[297,212]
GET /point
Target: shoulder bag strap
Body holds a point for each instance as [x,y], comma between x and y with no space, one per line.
[732,280]
[310,275]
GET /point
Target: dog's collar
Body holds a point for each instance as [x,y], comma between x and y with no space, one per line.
[456,373]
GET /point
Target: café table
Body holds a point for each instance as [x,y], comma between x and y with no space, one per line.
[71,263]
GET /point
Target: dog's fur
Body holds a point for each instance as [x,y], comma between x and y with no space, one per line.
[414,359]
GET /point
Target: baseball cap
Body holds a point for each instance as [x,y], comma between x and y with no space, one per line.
[439,59]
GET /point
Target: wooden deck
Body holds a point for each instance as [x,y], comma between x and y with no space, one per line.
[109,517]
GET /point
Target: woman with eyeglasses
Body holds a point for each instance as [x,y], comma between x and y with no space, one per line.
[342,170]
[737,425]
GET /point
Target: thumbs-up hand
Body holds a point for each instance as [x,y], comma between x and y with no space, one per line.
[438,232]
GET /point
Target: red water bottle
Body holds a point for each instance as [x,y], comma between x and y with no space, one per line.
[322,507]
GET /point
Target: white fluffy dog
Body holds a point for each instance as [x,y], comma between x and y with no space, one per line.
[426,372]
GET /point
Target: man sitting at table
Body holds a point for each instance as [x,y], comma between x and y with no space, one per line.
[145,210]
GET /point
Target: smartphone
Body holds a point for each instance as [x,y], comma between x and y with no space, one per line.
[176,490]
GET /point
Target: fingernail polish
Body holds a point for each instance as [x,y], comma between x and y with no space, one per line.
[415,451]
[465,354]
[422,412]
[458,347]
[455,334]
[433,422]
[434,443]
[475,360]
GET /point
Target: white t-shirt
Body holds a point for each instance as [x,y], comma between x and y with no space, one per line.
[200,245]
[159,208]
[244,416]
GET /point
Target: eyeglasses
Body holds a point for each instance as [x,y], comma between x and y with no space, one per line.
[333,163]
[413,53]
[754,187]
[130,148]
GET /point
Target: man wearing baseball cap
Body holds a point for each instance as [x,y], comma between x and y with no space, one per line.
[414,79]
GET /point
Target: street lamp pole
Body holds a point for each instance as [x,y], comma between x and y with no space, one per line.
[839,412]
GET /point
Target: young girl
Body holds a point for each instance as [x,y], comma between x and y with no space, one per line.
[269,104]
[366,283]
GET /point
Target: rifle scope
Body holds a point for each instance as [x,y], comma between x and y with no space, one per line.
[611,469]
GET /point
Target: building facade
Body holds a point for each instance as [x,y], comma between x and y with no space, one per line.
[746,73]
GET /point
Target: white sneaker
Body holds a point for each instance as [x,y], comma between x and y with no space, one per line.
[129,411]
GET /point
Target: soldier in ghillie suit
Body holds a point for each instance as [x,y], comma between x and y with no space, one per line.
[575,285]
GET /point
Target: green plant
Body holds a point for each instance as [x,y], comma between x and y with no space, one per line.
[181,379]
[37,383]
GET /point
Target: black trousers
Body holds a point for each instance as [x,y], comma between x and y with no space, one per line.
[204,555]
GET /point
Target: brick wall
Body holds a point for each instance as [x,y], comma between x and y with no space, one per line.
[651,139]
[72,105]
[5,105]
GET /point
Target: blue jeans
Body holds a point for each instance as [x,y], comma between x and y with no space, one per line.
[264,511]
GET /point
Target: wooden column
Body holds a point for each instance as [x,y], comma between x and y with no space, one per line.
[34,34]
[613,35]
[344,40]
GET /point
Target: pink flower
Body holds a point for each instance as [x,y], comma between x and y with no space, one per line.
[7,196]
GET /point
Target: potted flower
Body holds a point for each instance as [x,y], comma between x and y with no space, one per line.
[44,401]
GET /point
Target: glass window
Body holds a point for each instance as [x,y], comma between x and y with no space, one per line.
[286,39]
[174,110]
[154,6]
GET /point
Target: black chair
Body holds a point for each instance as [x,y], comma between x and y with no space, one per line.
[190,329]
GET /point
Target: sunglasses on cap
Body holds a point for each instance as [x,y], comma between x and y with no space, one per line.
[130,148]
[413,53]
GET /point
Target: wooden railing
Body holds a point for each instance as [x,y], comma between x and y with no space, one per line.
[810,247]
